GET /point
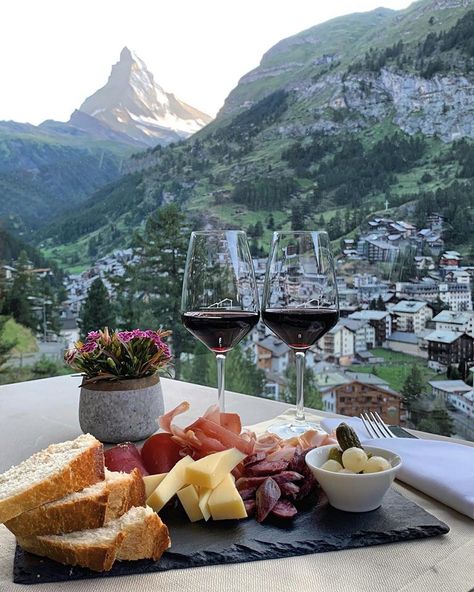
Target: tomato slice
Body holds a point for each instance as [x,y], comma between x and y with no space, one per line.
[160,453]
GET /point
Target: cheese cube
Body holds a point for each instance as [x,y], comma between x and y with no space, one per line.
[209,471]
[170,485]
[152,482]
[225,502]
[189,498]
[204,494]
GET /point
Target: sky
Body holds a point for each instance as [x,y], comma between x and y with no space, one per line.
[55,53]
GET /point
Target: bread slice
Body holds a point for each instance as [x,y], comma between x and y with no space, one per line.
[51,474]
[92,507]
[126,491]
[138,534]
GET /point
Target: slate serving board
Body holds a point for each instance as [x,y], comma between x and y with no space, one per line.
[319,529]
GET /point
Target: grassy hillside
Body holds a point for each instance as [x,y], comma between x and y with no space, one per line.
[42,173]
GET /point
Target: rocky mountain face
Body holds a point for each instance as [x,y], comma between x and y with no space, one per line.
[132,103]
[315,66]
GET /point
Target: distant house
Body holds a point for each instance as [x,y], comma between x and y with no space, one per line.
[450,259]
[448,320]
[380,320]
[360,394]
[464,403]
[338,344]
[363,332]
[407,343]
[380,250]
[411,315]
[272,355]
[443,390]
[449,347]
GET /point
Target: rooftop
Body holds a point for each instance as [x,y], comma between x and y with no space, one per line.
[449,316]
[403,337]
[444,336]
[409,306]
[450,386]
[369,315]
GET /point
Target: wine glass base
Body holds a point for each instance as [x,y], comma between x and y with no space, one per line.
[295,428]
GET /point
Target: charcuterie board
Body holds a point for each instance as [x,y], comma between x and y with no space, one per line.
[315,530]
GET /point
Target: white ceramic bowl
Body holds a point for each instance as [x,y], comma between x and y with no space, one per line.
[349,492]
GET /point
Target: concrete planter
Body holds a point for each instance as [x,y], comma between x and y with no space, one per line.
[121,411]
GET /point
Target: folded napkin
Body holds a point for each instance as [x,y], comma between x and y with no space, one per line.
[442,470]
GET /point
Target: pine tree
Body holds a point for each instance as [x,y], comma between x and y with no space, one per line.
[312,396]
[412,387]
[438,422]
[97,311]
[154,283]
[271,222]
[18,301]
[380,304]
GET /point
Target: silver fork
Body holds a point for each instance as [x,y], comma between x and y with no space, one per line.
[375,425]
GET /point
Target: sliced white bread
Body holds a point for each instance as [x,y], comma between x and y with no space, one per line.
[126,491]
[138,534]
[51,474]
[92,507]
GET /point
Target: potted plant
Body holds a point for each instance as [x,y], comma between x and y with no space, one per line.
[121,393]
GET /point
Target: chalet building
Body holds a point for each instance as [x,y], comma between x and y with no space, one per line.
[456,296]
[449,347]
[380,320]
[272,355]
[450,259]
[359,395]
[411,316]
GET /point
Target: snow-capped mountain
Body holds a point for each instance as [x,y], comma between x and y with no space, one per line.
[134,104]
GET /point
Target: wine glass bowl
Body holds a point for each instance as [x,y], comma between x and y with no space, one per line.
[300,301]
[219,300]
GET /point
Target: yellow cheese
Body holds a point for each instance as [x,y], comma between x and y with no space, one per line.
[225,502]
[204,494]
[209,471]
[152,482]
[189,498]
[172,482]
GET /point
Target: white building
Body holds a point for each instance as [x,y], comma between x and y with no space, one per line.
[444,390]
[338,343]
[464,403]
[363,332]
[411,316]
[448,320]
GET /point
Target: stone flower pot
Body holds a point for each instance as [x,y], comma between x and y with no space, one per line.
[122,410]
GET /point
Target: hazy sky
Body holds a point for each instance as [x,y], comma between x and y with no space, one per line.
[55,53]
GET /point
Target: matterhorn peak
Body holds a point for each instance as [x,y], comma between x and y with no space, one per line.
[134,104]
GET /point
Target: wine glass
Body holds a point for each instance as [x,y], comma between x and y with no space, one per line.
[220,299]
[300,302]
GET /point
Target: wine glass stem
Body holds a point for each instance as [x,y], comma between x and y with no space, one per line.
[220,359]
[300,360]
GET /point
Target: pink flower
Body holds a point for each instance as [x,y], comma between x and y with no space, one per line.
[125,336]
[93,336]
[88,347]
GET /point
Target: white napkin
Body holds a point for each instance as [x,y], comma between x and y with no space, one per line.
[442,470]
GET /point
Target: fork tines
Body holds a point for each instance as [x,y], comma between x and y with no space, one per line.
[375,425]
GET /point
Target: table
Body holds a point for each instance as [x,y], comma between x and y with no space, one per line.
[35,414]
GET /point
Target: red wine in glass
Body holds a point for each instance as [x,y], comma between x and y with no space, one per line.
[300,328]
[300,303]
[219,303]
[220,330]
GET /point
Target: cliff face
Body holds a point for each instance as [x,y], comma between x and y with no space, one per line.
[442,106]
